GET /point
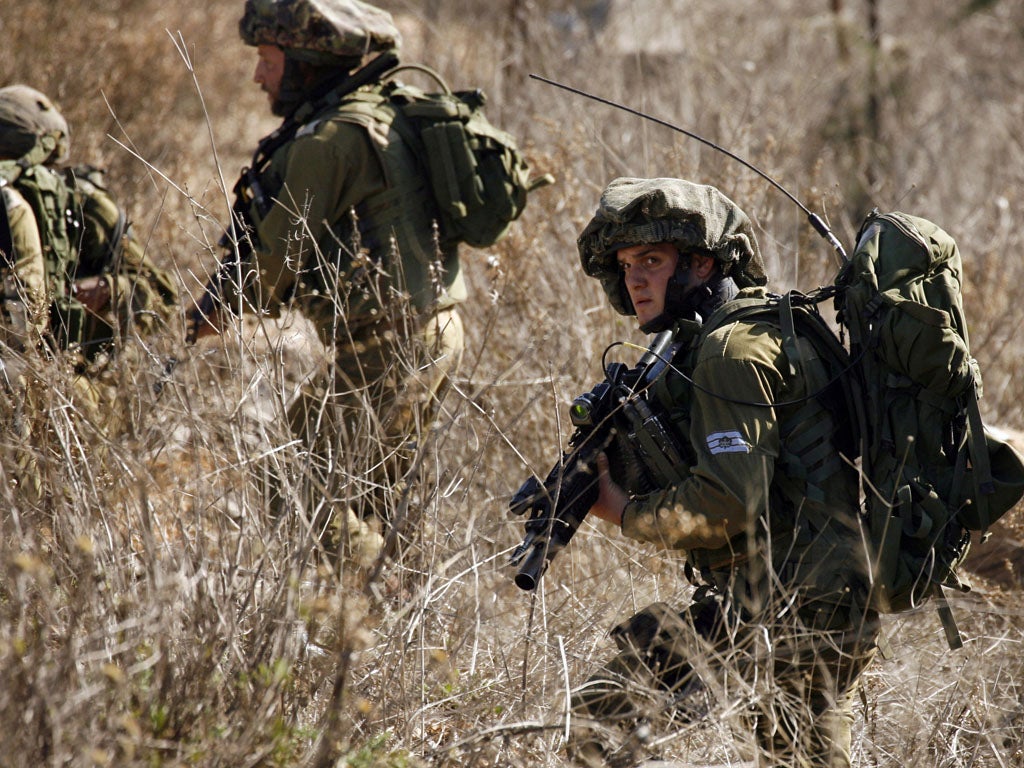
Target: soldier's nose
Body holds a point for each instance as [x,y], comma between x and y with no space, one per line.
[636,278]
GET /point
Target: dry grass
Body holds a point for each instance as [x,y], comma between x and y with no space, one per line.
[153,613]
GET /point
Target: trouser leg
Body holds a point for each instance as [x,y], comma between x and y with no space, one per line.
[643,685]
[360,423]
[800,685]
[808,720]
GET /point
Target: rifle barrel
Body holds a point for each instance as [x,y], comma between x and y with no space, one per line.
[528,576]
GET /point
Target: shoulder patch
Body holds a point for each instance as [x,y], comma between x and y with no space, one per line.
[308,129]
[727,442]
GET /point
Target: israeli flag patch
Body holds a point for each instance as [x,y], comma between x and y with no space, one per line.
[728,442]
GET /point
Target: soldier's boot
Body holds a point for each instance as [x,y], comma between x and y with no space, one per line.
[593,746]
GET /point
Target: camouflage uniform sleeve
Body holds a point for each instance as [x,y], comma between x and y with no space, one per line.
[323,173]
[28,269]
[736,447]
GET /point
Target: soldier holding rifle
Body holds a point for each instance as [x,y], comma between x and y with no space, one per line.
[765,508]
[333,218]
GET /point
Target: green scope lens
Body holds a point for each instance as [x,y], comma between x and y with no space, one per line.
[579,412]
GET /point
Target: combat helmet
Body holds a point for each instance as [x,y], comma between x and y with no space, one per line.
[693,217]
[344,29]
[31,127]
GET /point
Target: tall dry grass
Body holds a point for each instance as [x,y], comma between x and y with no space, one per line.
[153,613]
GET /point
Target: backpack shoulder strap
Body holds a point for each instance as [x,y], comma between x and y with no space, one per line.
[796,317]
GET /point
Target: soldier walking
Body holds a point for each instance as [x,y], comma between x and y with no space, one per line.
[339,224]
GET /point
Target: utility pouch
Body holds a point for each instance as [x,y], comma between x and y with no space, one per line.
[68,319]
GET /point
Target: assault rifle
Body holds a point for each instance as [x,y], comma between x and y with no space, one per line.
[611,411]
[237,240]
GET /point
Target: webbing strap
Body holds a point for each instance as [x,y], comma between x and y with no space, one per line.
[949,626]
[788,328]
[452,167]
[982,467]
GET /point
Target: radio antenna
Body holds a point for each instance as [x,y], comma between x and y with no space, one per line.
[814,219]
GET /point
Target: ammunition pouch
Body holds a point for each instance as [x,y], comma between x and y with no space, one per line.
[75,328]
[653,445]
[67,321]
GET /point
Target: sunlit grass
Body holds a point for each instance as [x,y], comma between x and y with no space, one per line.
[153,613]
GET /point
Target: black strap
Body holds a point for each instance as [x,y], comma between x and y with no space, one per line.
[287,130]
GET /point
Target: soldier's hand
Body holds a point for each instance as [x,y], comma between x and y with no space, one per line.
[611,499]
[202,324]
[93,292]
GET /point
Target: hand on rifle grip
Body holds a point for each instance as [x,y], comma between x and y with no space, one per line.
[202,324]
[611,499]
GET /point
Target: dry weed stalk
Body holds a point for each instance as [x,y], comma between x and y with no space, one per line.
[153,612]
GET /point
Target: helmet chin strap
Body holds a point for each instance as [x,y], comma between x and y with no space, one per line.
[684,303]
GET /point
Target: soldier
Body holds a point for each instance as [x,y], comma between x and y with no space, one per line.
[25,294]
[340,226]
[766,510]
[97,285]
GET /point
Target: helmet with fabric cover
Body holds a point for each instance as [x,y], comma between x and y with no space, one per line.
[693,217]
[32,129]
[320,29]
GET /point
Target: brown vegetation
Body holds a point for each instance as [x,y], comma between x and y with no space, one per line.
[152,612]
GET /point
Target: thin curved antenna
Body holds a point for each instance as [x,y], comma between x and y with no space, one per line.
[814,219]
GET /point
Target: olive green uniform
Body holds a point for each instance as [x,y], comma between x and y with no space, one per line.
[24,274]
[22,327]
[143,297]
[768,519]
[349,241]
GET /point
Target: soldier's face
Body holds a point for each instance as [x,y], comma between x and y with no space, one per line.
[646,270]
[269,70]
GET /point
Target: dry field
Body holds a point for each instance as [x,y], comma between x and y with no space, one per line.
[153,614]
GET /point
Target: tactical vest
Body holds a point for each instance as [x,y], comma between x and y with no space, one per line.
[402,216]
[813,433]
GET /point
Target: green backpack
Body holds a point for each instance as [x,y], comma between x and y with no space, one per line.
[478,176]
[930,471]
[47,193]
